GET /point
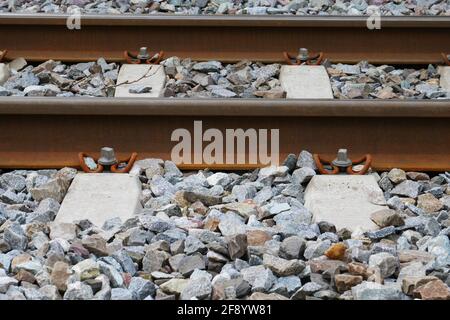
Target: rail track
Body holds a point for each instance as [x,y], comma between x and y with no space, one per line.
[49,132]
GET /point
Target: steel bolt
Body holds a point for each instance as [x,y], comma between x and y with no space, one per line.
[342,160]
[143,54]
[107,157]
[303,54]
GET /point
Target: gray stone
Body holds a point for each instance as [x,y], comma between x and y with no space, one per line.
[113,275]
[244,192]
[260,278]
[121,294]
[305,159]
[283,267]
[375,291]
[15,237]
[50,292]
[386,262]
[407,188]
[380,234]
[78,291]
[209,66]
[125,262]
[139,89]
[397,175]
[292,247]
[141,288]
[302,175]
[193,245]
[316,249]
[45,212]
[188,264]
[12,181]
[6,282]
[230,225]
[197,288]
[154,260]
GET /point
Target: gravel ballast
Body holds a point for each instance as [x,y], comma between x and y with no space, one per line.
[223,236]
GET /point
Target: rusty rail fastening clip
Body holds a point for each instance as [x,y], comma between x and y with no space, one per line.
[343,164]
[446,58]
[107,159]
[143,57]
[303,58]
[3,54]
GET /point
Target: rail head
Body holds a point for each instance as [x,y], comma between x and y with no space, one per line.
[225,21]
[224,107]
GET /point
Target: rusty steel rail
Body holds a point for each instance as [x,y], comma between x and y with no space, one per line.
[49,132]
[404,40]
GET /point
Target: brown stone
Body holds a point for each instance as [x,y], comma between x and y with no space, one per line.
[410,283]
[199,208]
[265,296]
[96,245]
[257,237]
[271,94]
[237,246]
[345,282]
[415,255]
[60,274]
[336,251]
[374,275]
[387,217]
[321,265]
[192,197]
[429,203]
[17,260]
[212,224]
[78,248]
[433,290]
[358,268]
[35,227]
[407,201]
[417,176]
[25,276]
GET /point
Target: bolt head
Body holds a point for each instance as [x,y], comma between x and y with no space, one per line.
[342,159]
[303,54]
[143,53]
[107,157]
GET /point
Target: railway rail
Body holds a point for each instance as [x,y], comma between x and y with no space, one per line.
[49,132]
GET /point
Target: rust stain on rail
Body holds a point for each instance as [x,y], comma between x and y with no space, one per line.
[53,138]
[227,38]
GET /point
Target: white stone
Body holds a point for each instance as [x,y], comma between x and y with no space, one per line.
[99,197]
[445,78]
[17,64]
[346,201]
[140,75]
[5,72]
[306,82]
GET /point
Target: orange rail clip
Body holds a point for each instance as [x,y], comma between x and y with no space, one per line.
[446,58]
[3,54]
[320,163]
[143,57]
[100,168]
[315,59]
